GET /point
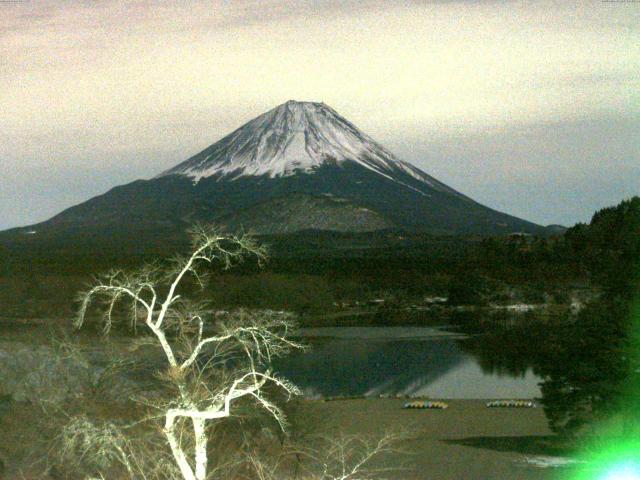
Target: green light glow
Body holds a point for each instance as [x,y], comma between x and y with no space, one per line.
[618,460]
[614,453]
[624,471]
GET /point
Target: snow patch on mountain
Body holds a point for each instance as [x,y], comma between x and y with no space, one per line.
[296,137]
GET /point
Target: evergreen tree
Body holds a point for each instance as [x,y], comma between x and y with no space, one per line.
[594,367]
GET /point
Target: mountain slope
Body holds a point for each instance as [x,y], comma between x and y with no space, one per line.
[299,212]
[299,166]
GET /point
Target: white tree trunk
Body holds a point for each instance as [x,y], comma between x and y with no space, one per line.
[201,447]
[176,449]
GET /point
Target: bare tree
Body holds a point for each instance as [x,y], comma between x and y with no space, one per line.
[342,457]
[212,359]
[354,457]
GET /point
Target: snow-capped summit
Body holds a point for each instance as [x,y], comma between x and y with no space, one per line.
[294,137]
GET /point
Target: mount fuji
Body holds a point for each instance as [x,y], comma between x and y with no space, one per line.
[300,166]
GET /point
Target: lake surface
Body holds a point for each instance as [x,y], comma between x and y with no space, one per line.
[415,361]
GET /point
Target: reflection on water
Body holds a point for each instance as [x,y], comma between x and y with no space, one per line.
[399,361]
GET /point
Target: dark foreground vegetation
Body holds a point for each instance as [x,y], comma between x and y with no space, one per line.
[310,273]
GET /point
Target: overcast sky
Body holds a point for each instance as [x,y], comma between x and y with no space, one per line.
[529,107]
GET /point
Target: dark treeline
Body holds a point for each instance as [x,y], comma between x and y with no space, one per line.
[597,366]
[306,272]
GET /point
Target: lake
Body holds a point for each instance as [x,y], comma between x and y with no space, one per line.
[412,361]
